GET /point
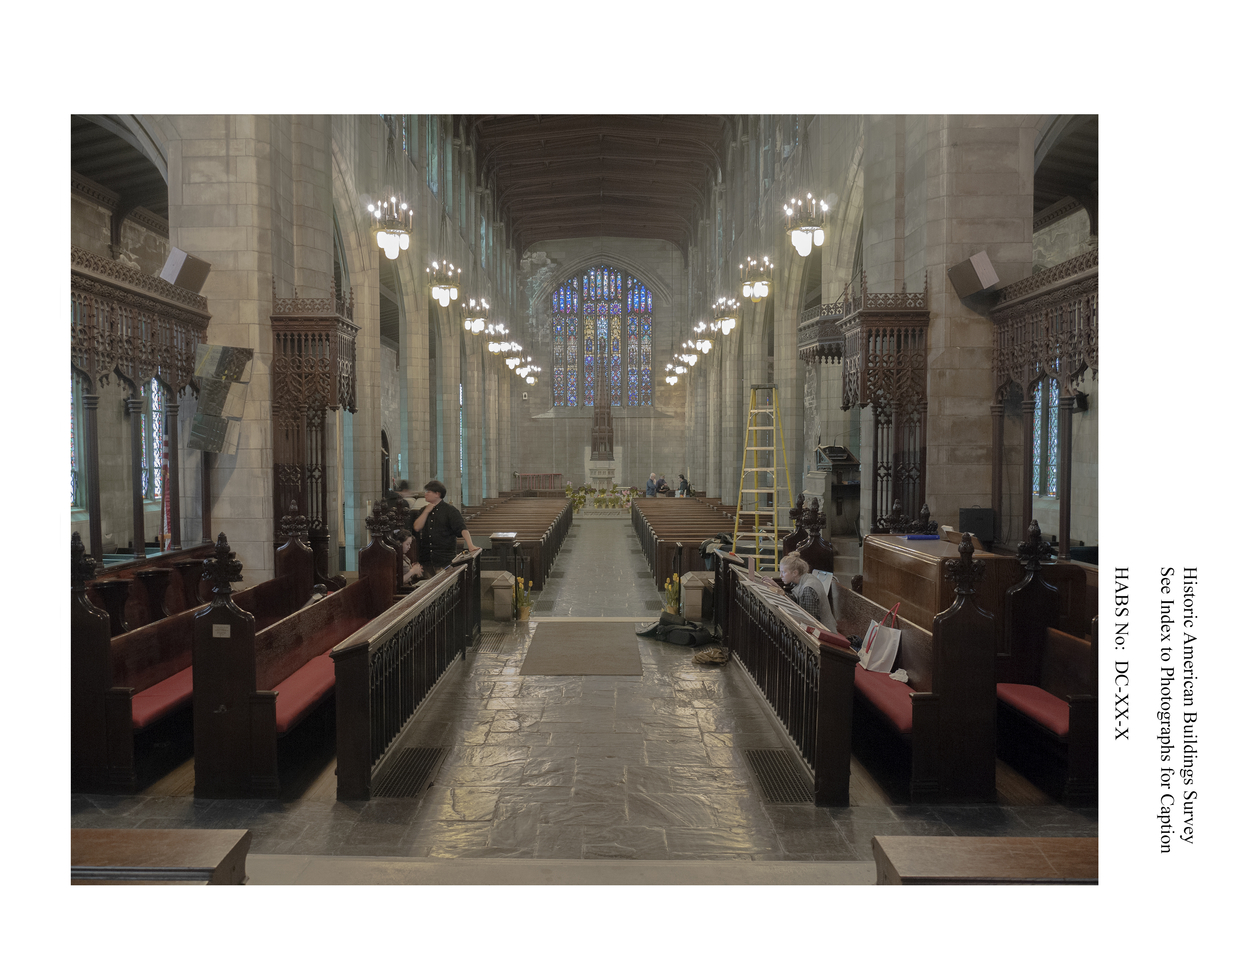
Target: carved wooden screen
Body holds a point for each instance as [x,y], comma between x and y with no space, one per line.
[313,372]
[1046,334]
[881,340]
[139,328]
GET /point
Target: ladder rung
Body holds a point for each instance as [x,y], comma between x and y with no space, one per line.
[760,468]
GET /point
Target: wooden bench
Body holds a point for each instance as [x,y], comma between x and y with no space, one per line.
[1046,684]
[540,527]
[136,857]
[945,712]
[935,860]
[912,572]
[254,686]
[671,532]
[124,685]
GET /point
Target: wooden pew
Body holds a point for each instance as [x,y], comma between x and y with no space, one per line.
[672,530]
[253,687]
[540,525]
[122,686]
[945,712]
[936,860]
[137,857]
[1047,683]
[912,573]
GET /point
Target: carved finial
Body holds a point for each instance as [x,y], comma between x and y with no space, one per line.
[965,572]
[82,567]
[1033,550]
[377,522]
[293,524]
[222,569]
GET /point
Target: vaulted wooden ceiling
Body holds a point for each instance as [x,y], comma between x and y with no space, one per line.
[568,176]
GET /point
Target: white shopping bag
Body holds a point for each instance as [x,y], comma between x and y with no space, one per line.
[880,644]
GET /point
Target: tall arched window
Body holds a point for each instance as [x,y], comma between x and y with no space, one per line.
[1047,437]
[608,316]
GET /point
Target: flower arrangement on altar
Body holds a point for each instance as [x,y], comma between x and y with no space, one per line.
[671,594]
[616,497]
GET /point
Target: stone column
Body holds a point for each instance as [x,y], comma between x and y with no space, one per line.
[698,430]
[713,435]
[968,188]
[491,413]
[449,362]
[733,417]
[473,418]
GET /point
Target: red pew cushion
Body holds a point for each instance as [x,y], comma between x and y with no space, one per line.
[892,698]
[302,690]
[1033,702]
[161,699]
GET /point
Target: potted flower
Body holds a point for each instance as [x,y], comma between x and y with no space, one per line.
[671,594]
[522,599]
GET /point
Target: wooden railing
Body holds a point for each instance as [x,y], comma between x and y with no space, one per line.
[540,480]
[386,672]
[808,684]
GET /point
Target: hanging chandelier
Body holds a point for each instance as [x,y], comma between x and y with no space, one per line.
[473,314]
[725,309]
[756,278]
[804,225]
[443,278]
[392,221]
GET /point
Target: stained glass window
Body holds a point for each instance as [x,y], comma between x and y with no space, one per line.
[1047,437]
[74,450]
[153,454]
[609,313]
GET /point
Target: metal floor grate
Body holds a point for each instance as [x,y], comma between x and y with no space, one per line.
[410,774]
[644,575]
[492,642]
[543,605]
[778,777]
[558,575]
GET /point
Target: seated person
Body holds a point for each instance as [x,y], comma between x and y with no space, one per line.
[807,591]
[411,573]
[661,487]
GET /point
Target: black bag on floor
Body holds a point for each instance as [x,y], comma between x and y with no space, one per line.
[675,630]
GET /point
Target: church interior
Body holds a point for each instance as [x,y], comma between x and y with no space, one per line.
[279,322]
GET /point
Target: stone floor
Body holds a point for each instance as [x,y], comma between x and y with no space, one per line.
[590,768]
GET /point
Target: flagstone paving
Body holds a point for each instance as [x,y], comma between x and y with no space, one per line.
[644,768]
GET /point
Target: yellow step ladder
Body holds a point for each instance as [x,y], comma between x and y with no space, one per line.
[766,498]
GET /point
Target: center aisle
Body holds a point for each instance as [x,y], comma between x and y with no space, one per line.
[599,767]
[600,572]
